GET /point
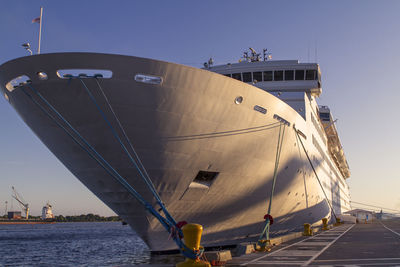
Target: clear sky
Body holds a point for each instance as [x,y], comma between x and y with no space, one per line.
[356,43]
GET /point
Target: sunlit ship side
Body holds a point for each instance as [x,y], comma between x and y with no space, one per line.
[208,141]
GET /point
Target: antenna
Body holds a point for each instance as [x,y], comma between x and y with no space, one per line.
[316,51]
[266,55]
[209,63]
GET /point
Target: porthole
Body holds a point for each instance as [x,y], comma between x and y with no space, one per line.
[42,75]
[239,100]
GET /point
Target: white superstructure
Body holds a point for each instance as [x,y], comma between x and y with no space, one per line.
[208,141]
[47,212]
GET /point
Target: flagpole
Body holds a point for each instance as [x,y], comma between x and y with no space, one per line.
[40,28]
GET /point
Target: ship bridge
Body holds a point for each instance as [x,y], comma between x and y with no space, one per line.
[275,76]
[289,80]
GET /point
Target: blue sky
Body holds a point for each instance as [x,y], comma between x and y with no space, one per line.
[356,44]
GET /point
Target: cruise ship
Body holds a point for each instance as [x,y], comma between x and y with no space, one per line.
[220,144]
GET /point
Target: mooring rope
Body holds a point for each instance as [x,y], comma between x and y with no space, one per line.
[316,175]
[264,236]
[125,135]
[91,151]
[115,134]
[137,164]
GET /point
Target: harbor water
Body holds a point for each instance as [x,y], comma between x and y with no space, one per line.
[71,244]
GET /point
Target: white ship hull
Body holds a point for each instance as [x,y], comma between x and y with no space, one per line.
[188,123]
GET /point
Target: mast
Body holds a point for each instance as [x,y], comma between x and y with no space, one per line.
[40,28]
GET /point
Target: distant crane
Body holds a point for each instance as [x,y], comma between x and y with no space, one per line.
[21,201]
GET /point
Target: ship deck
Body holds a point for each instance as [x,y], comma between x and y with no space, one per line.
[376,243]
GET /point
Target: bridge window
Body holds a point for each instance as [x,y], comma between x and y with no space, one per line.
[299,75]
[278,75]
[268,76]
[311,74]
[289,75]
[325,116]
[247,77]
[257,76]
[237,76]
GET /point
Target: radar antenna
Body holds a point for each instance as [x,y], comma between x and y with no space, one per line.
[255,57]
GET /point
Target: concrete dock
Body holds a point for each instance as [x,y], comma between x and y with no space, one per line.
[373,244]
[376,243]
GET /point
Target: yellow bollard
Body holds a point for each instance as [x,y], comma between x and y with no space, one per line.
[325,224]
[192,236]
[307,229]
[263,245]
[338,222]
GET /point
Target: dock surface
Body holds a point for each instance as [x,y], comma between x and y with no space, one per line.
[372,244]
[375,243]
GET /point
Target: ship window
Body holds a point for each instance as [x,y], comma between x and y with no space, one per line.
[237,76]
[257,76]
[278,75]
[228,75]
[268,76]
[289,75]
[325,116]
[299,75]
[310,74]
[205,177]
[247,77]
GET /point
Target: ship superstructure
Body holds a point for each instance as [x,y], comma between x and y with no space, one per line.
[47,212]
[208,141]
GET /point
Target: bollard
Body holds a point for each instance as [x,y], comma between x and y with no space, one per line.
[338,222]
[192,236]
[307,230]
[263,245]
[325,224]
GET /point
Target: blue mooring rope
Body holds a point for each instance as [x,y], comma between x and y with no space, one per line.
[165,222]
[115,134]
